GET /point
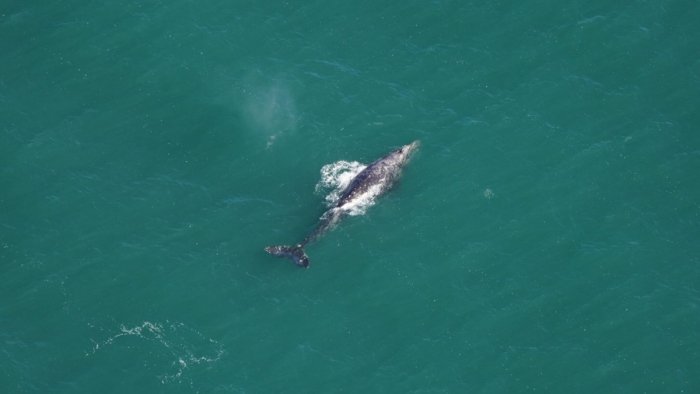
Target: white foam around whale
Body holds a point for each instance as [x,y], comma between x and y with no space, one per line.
[335,177]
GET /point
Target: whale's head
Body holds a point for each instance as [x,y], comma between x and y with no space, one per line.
[402,155]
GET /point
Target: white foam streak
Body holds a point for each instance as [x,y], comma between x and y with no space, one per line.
[336,177]
[182,346]
[359,204]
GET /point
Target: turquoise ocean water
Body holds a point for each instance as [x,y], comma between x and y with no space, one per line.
[544,239]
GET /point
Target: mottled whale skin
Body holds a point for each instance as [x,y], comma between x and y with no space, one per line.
[376,179]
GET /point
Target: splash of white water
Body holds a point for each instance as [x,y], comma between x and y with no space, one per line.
[336,177]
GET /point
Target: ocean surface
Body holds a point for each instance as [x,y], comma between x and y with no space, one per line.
[545,238]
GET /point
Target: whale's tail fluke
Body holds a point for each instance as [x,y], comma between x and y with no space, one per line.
[295,252]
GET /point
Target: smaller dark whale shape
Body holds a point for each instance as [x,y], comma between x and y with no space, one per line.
[375,179]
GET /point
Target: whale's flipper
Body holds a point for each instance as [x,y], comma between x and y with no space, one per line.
[295,252]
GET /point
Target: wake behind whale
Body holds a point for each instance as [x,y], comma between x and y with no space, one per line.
[355,188]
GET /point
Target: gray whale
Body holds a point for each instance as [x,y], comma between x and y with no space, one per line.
[377,178]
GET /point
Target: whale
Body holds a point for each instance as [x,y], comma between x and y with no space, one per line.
[374,180]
